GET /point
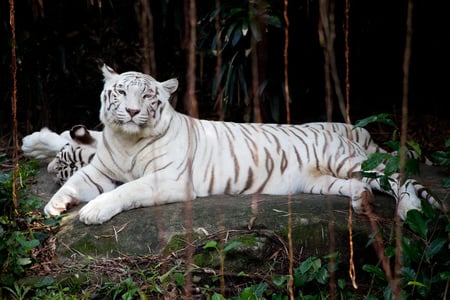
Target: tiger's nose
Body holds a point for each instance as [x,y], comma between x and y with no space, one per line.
[132,112]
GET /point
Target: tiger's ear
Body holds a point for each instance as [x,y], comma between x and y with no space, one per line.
[108,73]
[170,85]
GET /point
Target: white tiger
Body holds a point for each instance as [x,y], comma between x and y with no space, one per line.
[163,156]
[76,148]
[80,146]
[69,151]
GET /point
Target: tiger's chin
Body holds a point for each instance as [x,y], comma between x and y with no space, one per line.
[131,129]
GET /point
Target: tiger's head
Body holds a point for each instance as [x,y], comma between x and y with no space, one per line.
[136,104]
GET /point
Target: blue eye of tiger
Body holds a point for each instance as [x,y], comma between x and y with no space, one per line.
[147,96]
[122,92]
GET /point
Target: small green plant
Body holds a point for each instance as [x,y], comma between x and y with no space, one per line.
[18,292]
[241,24]
[390,159]
[425,268]
[222,252]
[442,158]
[126,290]
[425,252]
[22,228]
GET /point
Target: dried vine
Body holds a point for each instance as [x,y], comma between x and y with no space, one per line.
[396,284]
[14,103]
[145,17]
[286,53]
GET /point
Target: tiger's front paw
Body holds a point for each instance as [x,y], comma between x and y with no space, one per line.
[58,205]
[64,198]
[42,144]
[99,210]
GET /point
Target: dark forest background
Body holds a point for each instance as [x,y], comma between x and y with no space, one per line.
[61,46]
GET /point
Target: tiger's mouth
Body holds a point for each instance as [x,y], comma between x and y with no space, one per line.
[131,126]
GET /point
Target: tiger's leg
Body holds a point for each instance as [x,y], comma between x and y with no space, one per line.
[142,192]
[407,195]
[86,184]
[42,144]
[359,192]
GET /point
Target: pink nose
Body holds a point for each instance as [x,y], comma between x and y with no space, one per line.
[132,112]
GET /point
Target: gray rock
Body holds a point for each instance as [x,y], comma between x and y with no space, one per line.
[316,220]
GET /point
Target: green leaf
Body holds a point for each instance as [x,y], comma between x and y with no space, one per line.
[408,273]
[29,244]
[310,262]
[280,280]
[166,275]
[428,210]
[210,244]
[375,271]
[236,36]
[417,223]
[392,165]
[412,250]
[412,167]
[447,143]
[444,276]
[46,281]
[341,283]
[446,182]
[217,296]
[416,283]
[374,160]
[231,246]
[179,279]
[390,251]
[322,276]
[415,147]
[393,144]
[274,21]
[260,289]
[435,246]
[23,261]
[441,158]
[380,118]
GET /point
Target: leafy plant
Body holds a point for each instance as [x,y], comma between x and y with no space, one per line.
[442,158]
[391,160]
[425,252]
[18,235]
[241,24]
[425,268]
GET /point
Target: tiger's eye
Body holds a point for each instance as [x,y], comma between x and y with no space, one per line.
[147,96]
[122,92]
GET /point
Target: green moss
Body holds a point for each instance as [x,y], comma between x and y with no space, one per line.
[178,242]
[207,258]
[247,240]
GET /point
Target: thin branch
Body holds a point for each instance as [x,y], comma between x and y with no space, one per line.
[396,287]
[145,17]
[14,102]
[286,53]
[190,100]
[347,62]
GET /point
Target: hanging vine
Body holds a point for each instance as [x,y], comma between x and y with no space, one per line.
[15,136]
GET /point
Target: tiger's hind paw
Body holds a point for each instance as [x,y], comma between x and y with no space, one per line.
[42,144]
[362,202]
[406,205]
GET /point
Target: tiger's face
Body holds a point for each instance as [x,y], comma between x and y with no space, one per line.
[135,103]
